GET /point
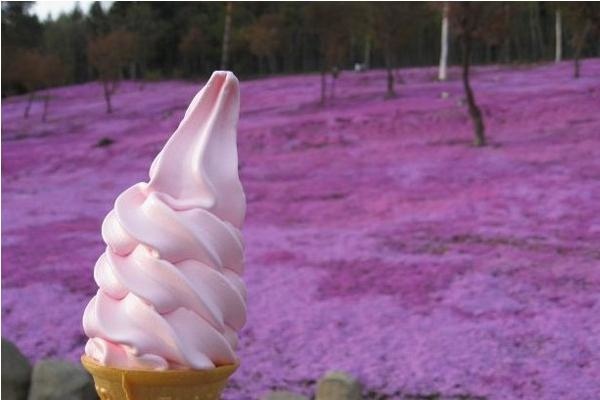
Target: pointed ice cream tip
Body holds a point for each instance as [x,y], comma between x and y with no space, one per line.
[218,81]
[198,167]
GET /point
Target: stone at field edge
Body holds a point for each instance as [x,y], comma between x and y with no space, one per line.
[16,372]
[283,395]
[60,380]
[337,385]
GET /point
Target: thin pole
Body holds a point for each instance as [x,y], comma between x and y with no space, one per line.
[443,71]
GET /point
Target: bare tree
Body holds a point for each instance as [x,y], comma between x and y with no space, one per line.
[29,75]
[443,70]
[36,73]
[53,73]
[471,21]
[333,38]
[109,54]
[584,22]
[395,25]
[474,111]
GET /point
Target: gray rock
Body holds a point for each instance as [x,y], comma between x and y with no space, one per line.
[283,395]
[336,385]
[60,380]
[16,372]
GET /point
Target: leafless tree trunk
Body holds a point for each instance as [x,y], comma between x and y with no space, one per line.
[323,85]
[28,106]
[443,71]
[46,101]
[558,30]
[579,40]
[391,92]
[226,36]
[474,111]
[108,91]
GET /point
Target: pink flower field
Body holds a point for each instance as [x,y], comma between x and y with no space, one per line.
[378,240]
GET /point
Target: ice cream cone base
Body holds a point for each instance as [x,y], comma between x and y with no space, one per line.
[119,384]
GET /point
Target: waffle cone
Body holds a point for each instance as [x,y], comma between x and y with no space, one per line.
[120,384]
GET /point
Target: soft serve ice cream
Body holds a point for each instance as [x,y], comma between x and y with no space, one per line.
[170,294]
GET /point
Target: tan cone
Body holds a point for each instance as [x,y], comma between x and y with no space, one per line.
[120,384]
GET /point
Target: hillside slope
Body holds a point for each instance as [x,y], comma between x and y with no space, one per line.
[378,240]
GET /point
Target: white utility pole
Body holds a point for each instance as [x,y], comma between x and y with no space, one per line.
[443,71]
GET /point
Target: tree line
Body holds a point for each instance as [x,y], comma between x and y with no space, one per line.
[162,40]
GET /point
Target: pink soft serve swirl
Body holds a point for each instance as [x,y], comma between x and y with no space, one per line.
[170,294]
